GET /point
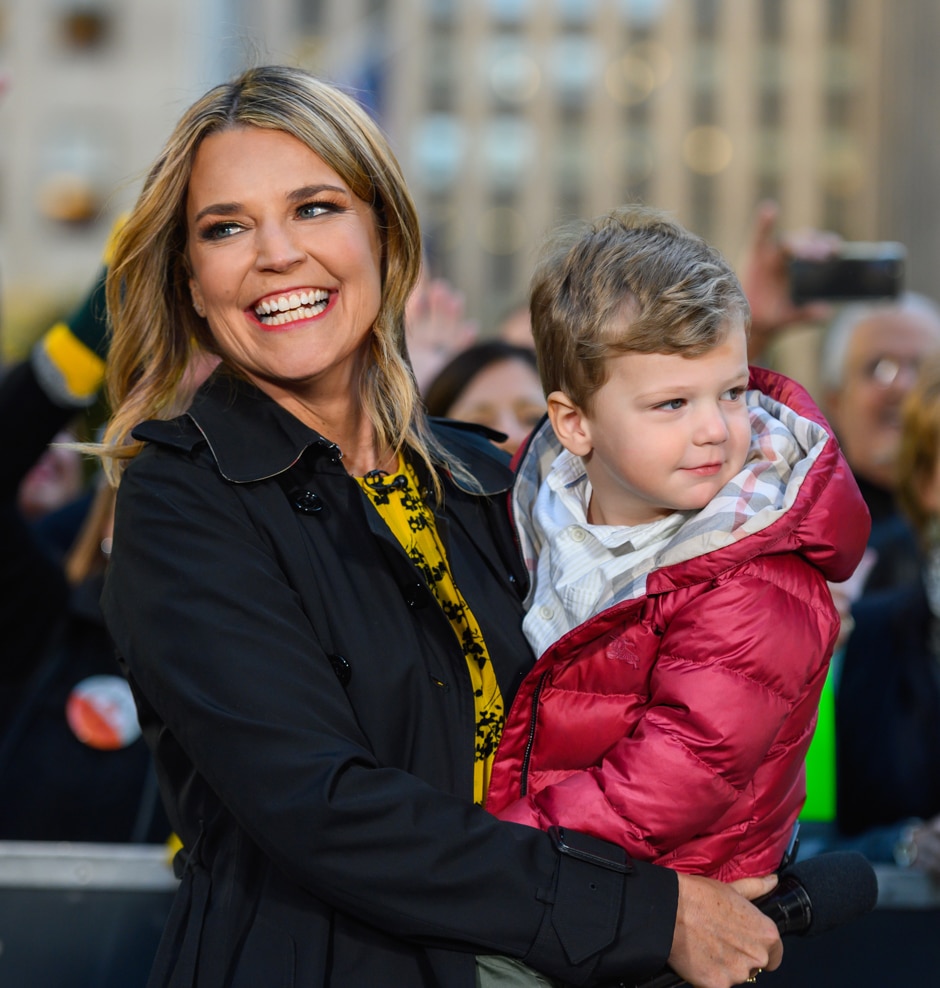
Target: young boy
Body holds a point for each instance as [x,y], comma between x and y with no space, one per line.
[680,514]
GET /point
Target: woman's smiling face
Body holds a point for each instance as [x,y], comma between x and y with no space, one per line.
[285,263]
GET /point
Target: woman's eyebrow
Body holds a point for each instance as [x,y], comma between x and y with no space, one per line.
[298,195]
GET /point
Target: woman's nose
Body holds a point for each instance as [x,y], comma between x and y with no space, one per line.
[277,249]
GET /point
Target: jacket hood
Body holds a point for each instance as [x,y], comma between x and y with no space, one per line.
[795,494]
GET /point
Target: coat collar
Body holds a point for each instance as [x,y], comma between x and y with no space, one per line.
[249,434]
[251,437]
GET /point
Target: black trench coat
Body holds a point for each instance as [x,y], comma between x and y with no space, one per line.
[313,726]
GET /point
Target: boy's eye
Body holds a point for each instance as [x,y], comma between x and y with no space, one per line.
[733,394]
[673,405]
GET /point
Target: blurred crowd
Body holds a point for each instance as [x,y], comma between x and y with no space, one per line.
[67,717]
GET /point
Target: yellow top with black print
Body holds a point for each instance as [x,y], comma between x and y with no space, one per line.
[399,502]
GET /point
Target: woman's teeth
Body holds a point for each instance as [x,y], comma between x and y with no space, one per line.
[276,311]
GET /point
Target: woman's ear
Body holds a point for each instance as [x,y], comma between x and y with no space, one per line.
[570,423]
[198,303]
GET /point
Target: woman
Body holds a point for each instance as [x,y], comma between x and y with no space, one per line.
[495,384]
[283,589]
[888,699]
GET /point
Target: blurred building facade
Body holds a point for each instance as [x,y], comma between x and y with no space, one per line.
[508,116]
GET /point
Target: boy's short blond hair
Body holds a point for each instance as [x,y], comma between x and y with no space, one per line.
[632,280]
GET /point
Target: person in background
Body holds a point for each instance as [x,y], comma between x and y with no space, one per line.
[680,524]
[316,595]
[495,384]
[515,326]
[73,764]
[888,702]
[436,327]
[765,279]
[868,360]
[54,481]
[868,364]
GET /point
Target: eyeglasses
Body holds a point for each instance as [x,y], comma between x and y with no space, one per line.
[883,372]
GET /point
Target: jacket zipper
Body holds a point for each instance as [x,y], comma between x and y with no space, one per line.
[531,738]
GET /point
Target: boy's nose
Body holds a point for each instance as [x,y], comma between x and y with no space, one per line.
[712,427]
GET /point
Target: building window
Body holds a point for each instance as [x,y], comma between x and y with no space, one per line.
[771,20]
[310,15]
[509,144]
[438,149]
[839,20]
[510,11]
[85,28]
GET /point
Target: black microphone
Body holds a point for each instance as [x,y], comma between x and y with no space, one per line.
[813,897]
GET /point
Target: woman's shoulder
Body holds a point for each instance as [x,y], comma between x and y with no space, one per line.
[180,433]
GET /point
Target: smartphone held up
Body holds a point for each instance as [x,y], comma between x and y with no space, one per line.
[860,270]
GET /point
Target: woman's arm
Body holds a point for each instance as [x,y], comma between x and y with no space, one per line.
[217,642]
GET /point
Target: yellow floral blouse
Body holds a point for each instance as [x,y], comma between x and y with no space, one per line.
[398,500]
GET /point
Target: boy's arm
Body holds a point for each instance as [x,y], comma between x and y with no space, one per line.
[734,666]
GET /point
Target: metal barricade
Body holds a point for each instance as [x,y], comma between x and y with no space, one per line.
[81,915]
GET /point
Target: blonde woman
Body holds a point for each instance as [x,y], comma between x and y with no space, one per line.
[317,597]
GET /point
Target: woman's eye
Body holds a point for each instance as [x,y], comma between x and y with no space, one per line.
[219,231]
[312,209]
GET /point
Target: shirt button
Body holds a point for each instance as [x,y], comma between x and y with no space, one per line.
[546,612]
[578,535]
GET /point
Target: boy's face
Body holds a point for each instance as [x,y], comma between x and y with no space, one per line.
[665,433]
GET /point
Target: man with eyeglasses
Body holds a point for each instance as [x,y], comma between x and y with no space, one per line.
[869,362]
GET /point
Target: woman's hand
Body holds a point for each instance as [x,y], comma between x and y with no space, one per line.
[721,939]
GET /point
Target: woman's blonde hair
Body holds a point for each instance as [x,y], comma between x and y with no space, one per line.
[156,331]
[919,449]
[87,556]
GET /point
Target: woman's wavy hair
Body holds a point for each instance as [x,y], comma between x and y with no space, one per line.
[919,449]
[632,280]
[156,334]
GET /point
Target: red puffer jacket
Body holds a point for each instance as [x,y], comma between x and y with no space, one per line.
[676,721]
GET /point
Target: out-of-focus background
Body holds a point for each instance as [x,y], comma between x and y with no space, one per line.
[507,115]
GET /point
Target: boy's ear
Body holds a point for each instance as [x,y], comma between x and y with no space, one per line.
[570,424]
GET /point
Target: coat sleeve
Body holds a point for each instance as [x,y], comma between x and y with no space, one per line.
[739,669]
[217,643]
